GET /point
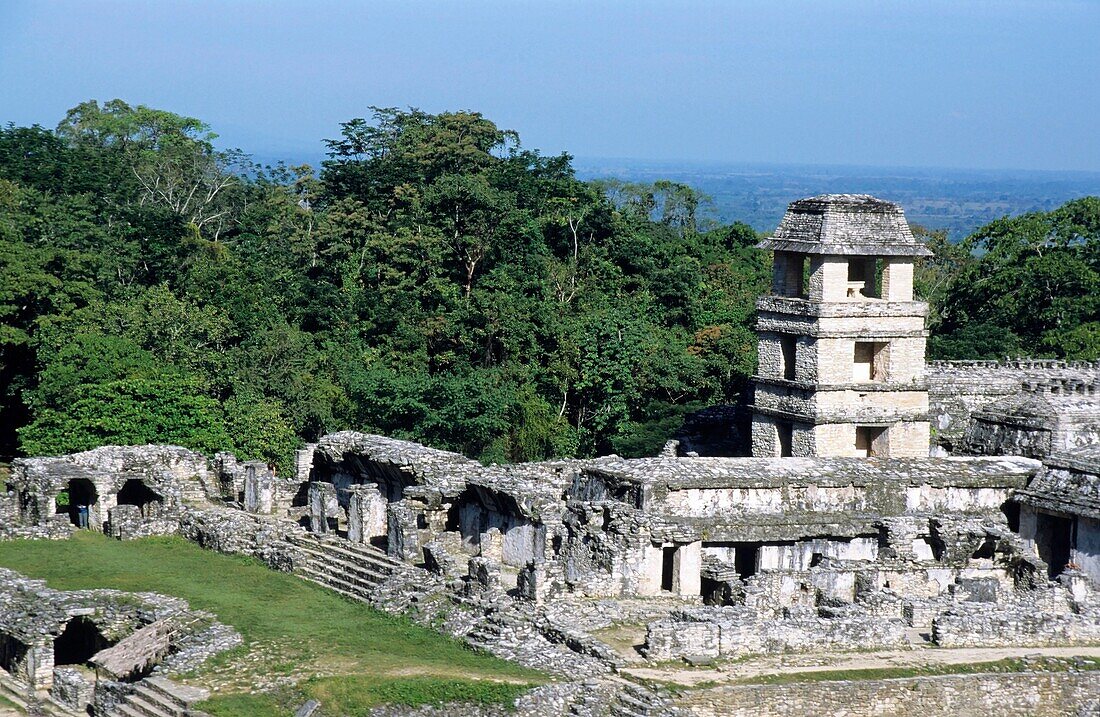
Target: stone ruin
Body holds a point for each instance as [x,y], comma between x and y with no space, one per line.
[865,501]
[83,649]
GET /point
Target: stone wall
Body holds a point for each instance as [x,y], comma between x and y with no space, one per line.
[958,388]
[1021,694]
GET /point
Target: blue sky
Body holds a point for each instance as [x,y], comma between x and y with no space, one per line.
[951,83]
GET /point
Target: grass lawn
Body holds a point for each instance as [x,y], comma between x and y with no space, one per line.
[342,653]
[7,706]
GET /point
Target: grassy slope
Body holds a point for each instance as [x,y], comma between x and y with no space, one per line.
[290,627]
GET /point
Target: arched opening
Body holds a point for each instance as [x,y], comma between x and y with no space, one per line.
[80,640]
[82,500]
[13,653]
[135,492]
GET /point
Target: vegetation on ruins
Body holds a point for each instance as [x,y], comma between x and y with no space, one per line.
[435,281]
[343,653]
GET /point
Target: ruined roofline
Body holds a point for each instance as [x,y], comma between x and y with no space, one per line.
[102,454]
[1021,364]
[335,446]
[847,225]
[1085,459]
[686,473]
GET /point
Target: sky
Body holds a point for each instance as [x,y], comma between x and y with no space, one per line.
[998,84]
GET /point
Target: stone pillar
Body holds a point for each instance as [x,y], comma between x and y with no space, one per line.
[366,513]
[123,521]
[322,506]
[97,513]
[403,540]
[687,568]
[649,582]
[303,462]
[484,576]
[259,488]
[38,666]
[534,582]
[492,545]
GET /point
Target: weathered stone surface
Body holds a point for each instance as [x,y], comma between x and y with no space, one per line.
[1019,694]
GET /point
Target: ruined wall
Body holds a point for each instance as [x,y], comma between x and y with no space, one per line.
[958,388]
[1020,694]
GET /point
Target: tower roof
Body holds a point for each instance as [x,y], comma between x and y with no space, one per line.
[848,224]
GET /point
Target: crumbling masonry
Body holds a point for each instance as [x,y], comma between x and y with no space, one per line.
[877,502]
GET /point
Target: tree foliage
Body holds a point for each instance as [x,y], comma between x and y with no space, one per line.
[1025,285]
[435,281]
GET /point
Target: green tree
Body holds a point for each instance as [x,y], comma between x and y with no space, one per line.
[130,412]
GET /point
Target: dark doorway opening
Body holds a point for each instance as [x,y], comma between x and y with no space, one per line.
[80,640]
[870,441]
[135,492]
[987,550]
[1011,510]
[746,558]
[1054,539]
[12,653]
[668,567]
[82,495]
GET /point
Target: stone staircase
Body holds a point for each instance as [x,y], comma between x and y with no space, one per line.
[352,569]
[633,700]
[158,697]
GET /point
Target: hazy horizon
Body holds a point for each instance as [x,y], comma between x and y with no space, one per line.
[984,85]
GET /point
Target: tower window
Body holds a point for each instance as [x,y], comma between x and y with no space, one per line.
[870,441]
[864,278]
[788,346]
[785,432]
[869,361]
[791,274]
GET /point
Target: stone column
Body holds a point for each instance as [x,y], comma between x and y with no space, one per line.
[687,568]
[303,462]
[259,488]
[366,513]
[124,521]
[38,666]
[492,545]
[322,506]
[649,582]
[403,539]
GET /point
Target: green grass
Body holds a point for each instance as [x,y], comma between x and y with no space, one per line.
[291,628]
[8,704]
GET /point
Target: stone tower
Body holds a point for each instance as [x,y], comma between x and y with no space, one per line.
[841,340]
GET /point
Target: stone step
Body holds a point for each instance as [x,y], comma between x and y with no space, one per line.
[328,563]
[345,551]
[183,695]
[143,706]
[151,696]
[355,551]
[338,586]
[633,705]
[125,710]
[366,585]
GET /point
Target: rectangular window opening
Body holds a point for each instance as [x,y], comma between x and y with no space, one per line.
[668,567]
[870,441]
[785,433]
[864,278]
[869,361]
[745,559]
[789,347]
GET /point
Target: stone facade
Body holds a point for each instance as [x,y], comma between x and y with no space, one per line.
[841,340]
[1017,694]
